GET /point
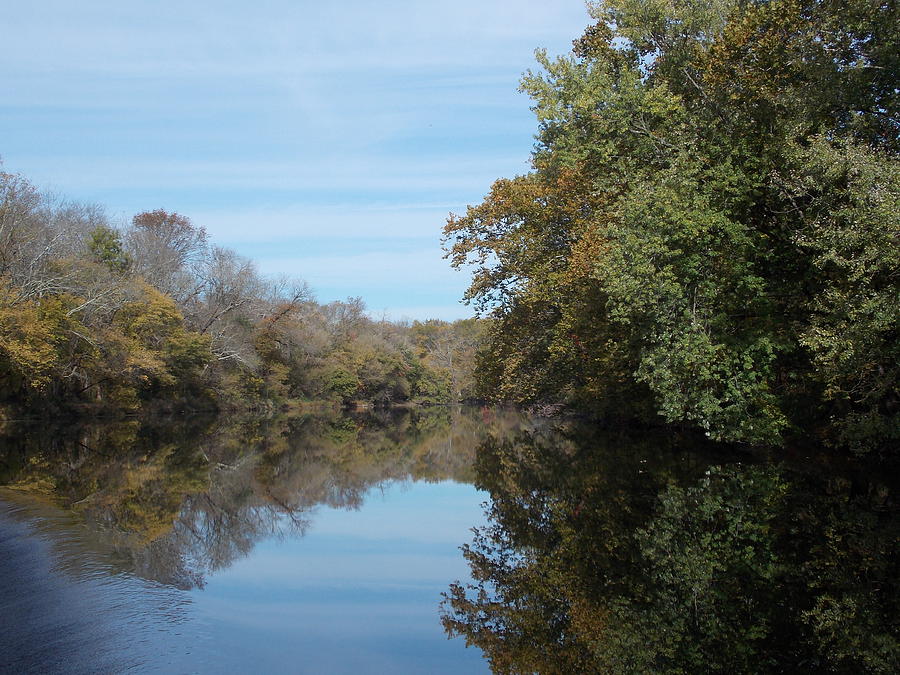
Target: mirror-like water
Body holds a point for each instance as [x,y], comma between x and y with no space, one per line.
[324,543]
[312,544]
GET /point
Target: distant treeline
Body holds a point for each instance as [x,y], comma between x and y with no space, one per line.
[99,318]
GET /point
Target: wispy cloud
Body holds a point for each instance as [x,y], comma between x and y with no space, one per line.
[345,174]
[279,37]
[279,120]
[398,284]
[304,222]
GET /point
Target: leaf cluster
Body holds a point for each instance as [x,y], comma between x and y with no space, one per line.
[710,228]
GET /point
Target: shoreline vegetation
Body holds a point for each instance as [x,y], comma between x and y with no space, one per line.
[708,239]
[104,320]
[709,234]
[699,279]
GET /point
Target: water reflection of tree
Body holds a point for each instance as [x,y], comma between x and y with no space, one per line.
[611,553]
[174,502]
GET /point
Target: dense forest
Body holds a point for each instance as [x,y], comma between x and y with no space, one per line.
[710,231]
[97,318]
[708,238]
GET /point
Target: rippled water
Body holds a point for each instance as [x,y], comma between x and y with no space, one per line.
[66,609]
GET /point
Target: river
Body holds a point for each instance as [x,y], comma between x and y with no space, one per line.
[385,542]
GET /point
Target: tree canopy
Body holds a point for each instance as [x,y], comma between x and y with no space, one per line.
[98,318]
[710,229]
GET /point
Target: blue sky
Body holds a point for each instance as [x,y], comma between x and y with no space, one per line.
[327,141]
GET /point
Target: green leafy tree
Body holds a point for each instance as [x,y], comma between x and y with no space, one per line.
[710,228]
[106,248]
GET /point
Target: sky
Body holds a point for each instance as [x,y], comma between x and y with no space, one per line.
[326,141]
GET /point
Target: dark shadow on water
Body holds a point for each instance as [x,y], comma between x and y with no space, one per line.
[629,552]
[605,550]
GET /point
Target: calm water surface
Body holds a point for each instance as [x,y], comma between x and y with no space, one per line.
[356,544]
[311,545]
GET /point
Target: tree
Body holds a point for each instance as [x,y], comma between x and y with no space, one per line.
[160,351]
[27,345]
[167,248]
[710,227]
[105,246]
[449,350]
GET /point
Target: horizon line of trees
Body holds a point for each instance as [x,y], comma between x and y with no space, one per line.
[95,317]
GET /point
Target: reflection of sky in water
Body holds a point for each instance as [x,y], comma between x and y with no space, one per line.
[151,511]
[358,594]
[65,610]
